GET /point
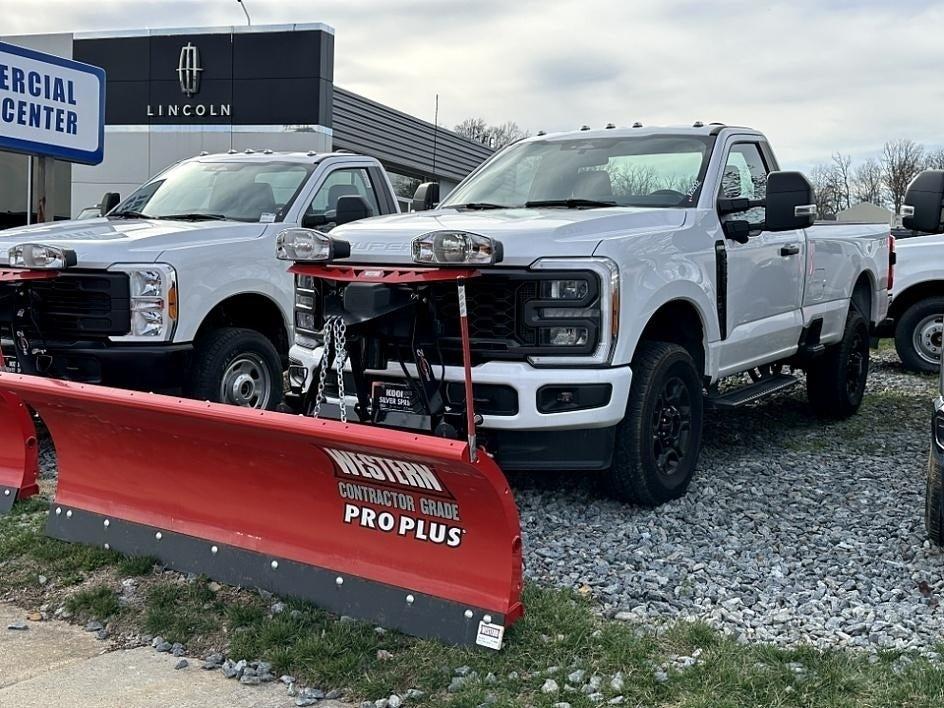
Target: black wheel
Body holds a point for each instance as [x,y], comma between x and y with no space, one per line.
[658,441]
[934,503]
[835,381]
[237,366]
[918,335]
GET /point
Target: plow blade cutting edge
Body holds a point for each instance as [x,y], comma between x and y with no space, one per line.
[19,452]
[387,526]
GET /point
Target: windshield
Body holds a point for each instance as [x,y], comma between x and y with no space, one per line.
[247,191]
[654,171]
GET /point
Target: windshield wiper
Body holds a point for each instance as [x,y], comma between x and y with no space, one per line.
[194,216]
[483,206]
[129,215]
[569,203]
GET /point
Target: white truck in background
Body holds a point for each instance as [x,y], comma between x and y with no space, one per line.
[624,273]
[916,312]
[178,287]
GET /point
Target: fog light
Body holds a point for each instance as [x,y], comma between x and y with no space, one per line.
[304,320]
[565,336]
[556,399]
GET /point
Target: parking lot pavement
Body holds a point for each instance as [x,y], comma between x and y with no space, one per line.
[794,531]
[54,663]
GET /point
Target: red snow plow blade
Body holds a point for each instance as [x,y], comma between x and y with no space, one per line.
[396,528]
[19,453]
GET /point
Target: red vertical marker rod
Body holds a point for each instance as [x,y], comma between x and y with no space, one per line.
[467,367]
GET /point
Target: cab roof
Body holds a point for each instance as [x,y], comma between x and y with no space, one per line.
[307,158]
[637,129]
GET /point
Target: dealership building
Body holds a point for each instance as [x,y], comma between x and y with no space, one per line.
[174,93]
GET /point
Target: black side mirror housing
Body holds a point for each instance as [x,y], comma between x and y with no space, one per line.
[426,196]
[314,221]
[351,207]
[791,202]
[109,201]
[737,230]
[924,203]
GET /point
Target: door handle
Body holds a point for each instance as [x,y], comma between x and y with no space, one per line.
[790,250]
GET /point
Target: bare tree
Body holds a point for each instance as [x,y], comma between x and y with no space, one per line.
[934,160]
[505,134]
[829,192]
[494,136]
[867,183]
[842,178]
[901,161]
[474,129]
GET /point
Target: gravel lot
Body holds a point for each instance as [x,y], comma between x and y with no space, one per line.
[793,532]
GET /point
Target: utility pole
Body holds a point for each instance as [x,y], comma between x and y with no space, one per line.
[435,136]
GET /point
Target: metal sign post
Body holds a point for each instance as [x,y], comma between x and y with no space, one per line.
[29,190]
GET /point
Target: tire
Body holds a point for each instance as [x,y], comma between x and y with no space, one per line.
[918,335]
[652,467]
[835,382]
[934,503]
[237,366]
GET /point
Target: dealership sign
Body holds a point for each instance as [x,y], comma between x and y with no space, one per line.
[51,106]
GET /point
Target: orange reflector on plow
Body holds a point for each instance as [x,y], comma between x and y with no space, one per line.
[19,452]
[392,527]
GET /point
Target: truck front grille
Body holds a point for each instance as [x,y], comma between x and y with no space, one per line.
[78,305]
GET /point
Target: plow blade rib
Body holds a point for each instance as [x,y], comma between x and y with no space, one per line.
[391,527]
[19,452]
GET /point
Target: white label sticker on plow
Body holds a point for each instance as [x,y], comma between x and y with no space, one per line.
[490,636]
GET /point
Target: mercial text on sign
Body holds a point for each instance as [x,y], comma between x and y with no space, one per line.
[51,106]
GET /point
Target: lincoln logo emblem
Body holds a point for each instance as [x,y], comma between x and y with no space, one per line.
[188,70]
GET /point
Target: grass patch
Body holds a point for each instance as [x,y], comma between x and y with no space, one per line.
[100,603]
[135,566]
[181,612]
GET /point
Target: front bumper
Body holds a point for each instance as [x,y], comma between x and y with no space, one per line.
[148,367]
[523,378]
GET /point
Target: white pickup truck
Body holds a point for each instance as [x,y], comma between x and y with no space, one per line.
[916,312]
[178,287]
[624,274]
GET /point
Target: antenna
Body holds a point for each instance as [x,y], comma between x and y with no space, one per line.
[243,6]
[435,135]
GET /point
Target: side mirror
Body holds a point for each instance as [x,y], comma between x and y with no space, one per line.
[923,209]
[351,207]
[426,196]
[791,202]
[314,221]
[737,230]
[109,201]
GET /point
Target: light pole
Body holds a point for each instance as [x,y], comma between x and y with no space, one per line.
[243,6]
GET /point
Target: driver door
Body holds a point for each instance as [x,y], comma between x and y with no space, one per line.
[765,275]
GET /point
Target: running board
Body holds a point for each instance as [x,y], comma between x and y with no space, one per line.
[752,392]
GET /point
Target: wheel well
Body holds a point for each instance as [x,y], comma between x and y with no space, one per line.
[251,311]
[678,322]
[916,293]
[862,296]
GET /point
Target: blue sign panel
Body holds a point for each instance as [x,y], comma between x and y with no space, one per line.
[51,106]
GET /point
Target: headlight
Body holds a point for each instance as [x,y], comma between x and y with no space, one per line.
[309,246]
[564,289]
[36,255]
[456,248]
[154,307]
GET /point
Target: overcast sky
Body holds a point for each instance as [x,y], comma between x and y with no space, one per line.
[816,76]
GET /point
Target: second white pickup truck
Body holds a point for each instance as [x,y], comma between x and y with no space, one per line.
[178,287]
[624,274]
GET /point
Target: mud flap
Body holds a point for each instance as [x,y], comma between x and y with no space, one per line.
[395,528]
[19,452]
